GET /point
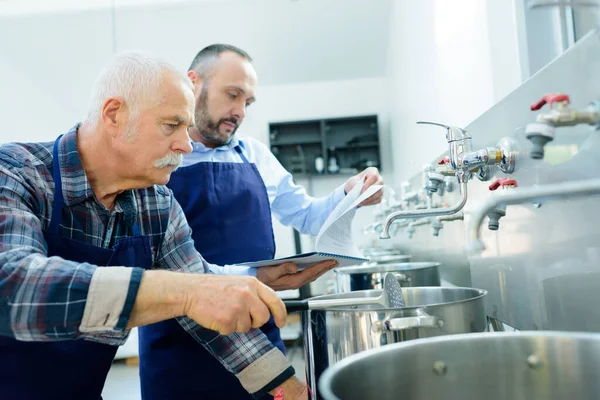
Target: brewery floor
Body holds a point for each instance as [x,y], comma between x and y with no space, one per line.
[123,382]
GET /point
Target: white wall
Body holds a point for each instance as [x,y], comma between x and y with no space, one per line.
[47,71]
[448,62]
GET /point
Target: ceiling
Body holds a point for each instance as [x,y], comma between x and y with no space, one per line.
[291,41]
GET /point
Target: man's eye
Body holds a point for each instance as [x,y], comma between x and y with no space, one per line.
[232,96]
[170,128]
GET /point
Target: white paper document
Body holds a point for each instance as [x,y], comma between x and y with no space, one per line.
[334,240]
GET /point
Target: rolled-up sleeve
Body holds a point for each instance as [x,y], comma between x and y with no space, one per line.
[48,298]
[254,360]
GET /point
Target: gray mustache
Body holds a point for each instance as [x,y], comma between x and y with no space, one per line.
[173,159]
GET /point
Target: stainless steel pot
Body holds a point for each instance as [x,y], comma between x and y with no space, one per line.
[390,258]
[378,252]
[370,276]
[334,334]
[492,366]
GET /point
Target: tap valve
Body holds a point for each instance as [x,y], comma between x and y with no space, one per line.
[539,134]
[445,160]
[449,184]
[436,225]
[500,211]
[436,180]
[410,230]
[542,131]
[550,99]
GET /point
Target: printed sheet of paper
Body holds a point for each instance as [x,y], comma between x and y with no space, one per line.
[334,241]
[336,234]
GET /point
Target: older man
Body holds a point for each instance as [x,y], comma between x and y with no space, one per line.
[91,245]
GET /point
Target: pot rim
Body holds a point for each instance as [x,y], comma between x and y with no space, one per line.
[390,258]
[391,267]
[382,251]
[480,294]
[328,375]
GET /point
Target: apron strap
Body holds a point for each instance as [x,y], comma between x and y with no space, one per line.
[242,156]
[58,203]
[136,229]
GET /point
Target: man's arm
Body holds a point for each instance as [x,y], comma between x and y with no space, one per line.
[255,361]
[48,298]
[291,204]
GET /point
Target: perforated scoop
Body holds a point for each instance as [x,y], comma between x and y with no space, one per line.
[391,297]
[392,292]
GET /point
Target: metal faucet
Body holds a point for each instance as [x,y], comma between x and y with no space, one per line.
[459,149]
[522,195]
[459,145]
[542,131]
[430,212]
[436,224]
[464,162]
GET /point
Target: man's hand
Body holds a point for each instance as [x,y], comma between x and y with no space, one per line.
[224,303]
[286,276]
[230,303]
[371,177]
[293,389]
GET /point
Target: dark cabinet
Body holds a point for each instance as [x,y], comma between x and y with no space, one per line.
[338,145]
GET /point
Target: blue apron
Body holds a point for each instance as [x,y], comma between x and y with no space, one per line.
[227,207]
[73,369]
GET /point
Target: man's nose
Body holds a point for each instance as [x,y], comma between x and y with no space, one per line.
[183,143]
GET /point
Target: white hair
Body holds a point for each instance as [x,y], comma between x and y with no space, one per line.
[135,77]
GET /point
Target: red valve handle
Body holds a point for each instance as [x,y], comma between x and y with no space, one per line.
[445,160]
[550,99]
[503,182]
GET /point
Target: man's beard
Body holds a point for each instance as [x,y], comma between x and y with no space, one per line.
[209,129]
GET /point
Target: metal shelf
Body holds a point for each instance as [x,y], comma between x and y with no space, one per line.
[358,146]
[297,144]
[294,142]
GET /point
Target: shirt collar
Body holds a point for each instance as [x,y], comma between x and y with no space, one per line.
[76,186]
[199,147]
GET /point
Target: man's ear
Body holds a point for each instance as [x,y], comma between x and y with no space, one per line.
[196,80]
[192,75]
[114,115]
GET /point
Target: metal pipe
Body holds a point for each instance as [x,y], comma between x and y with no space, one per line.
[377,226]
[454,217]
[433,212]
[521,195]
[420,222]
[568,117]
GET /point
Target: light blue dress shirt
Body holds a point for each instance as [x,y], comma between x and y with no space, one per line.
[290,203]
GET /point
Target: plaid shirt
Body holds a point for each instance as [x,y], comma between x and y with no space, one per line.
[44,298]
